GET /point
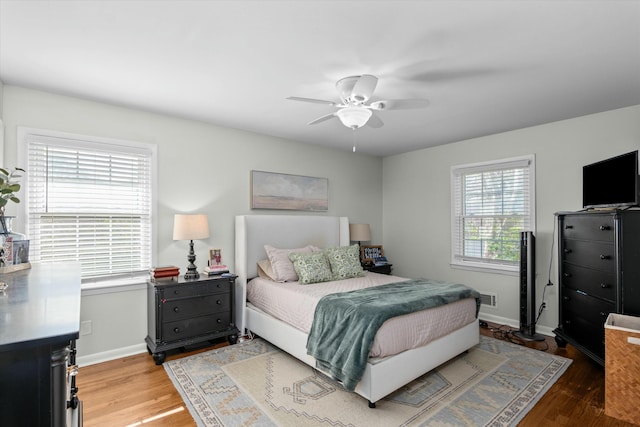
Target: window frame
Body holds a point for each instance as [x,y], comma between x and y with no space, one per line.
[104,282]
[528,163]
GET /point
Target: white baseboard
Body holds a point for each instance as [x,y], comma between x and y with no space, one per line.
[544,330]
[105,356]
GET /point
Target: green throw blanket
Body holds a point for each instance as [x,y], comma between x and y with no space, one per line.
[345,324]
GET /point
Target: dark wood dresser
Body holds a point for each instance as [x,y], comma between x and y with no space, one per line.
[39,323]
[187,312]
[599,273]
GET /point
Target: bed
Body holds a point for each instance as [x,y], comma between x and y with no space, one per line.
[382,375]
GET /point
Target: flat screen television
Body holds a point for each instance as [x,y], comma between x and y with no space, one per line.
[612,182]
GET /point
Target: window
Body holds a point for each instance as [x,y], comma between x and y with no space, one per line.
[89,200]
[492,203]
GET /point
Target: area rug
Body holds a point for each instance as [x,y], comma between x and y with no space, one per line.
[256,384]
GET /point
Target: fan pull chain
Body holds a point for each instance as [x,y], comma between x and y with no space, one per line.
[354,139]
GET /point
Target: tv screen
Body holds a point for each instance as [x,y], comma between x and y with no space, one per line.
[612,182]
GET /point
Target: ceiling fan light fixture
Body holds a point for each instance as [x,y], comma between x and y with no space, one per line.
[354,117]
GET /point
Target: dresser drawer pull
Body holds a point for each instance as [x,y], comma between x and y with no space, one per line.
[603,314]
[566,298]
[219,320]
[566,274]
[568,227]
[176,309]
[219,302]
[176,330]
[602,256]
[567,251]
[605,227]
[605,285]
[567,322]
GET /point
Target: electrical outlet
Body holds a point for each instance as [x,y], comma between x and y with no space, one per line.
[86,327]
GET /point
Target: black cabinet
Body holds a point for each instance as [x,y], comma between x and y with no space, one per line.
[39,323]
[382,269]
[187,312]
[599,273]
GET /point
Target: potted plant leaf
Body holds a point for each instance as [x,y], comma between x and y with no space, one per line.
[9,186]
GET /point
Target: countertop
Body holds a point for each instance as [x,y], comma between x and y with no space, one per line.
[41,305]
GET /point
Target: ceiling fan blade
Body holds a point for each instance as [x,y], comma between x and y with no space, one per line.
[375,122]
[322,119]
[312,100]
[364,87]
[399,104]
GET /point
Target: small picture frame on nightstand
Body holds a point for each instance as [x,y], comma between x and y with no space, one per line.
[368,254]
[215,257]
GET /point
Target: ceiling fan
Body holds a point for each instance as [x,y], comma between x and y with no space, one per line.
[354,112]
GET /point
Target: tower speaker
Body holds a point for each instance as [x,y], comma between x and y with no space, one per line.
[527,279]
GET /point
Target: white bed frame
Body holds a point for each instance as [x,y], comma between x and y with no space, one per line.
[381,376]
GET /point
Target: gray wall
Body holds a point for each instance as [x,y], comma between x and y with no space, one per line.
[203,168]
[417,215]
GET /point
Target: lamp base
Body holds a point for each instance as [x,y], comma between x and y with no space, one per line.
[192,270]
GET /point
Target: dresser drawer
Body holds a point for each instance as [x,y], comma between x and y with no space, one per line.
[594,282]
[188,328]
[585,333]
[185,290]
[592,310]
[191,307]
[589,227]
[596,255]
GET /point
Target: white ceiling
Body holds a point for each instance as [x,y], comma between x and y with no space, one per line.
[485,66]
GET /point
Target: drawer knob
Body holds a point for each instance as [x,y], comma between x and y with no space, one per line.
[566,274]
[219,320]
[603,314]
[219,302]
[567,322]
[566,298]
[605,227]
[602,256]
[176,309]
[568,227]
[176,330]
[605,285]
[567,251]
[176,292]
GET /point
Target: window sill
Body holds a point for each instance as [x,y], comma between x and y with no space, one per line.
[507,271]
[128,284]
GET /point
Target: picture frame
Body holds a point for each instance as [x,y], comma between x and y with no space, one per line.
[20,251]
[368,253]
[271,190]
[215,257]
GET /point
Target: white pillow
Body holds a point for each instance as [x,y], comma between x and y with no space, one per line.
[265,271]
[281,264]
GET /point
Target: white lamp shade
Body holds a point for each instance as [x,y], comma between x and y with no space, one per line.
[354,117]
[359,232]
[190,227]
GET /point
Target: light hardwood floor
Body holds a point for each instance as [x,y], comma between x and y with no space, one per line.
[133,390]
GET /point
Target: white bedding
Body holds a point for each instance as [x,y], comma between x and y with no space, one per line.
[295,304]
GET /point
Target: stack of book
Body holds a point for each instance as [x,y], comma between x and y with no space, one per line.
[165,274]
[214,270]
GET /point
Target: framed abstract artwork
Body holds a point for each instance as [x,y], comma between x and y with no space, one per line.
[271,190]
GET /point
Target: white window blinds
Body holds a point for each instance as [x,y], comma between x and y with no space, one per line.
[90,201]
[491,204]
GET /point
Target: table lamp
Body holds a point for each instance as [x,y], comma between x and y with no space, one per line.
[190,227]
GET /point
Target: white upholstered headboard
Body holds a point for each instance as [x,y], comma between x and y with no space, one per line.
[280,231]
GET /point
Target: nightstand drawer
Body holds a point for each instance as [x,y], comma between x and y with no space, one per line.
[188,328]
[191,307]
[186,290]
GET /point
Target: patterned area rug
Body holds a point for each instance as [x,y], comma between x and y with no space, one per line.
[256,384]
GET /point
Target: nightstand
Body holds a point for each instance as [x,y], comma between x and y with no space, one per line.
[186,312]
[382,269]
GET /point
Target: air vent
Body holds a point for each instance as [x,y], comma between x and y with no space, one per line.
[490,300]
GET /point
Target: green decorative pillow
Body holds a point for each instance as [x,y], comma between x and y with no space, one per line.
[345,262]
[311,268]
